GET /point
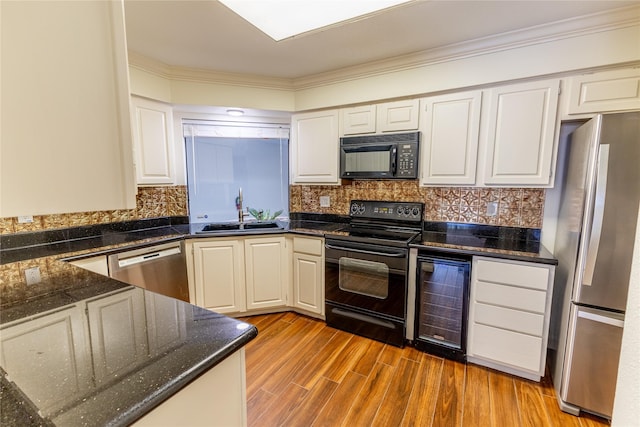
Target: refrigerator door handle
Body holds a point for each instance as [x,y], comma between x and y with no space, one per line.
[601,319]
[598,214]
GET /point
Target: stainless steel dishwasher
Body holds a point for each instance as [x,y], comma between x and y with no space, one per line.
[159,268]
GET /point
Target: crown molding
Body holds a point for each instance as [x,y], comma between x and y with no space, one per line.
[560,30]
[541,34]
[160,69]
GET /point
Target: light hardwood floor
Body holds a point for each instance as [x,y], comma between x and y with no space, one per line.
[302,373]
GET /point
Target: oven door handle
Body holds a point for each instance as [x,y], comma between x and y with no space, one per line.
[364,251]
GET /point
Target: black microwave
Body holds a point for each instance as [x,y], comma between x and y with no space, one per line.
[386,156]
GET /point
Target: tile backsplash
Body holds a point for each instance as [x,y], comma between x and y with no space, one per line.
[515,207]
[151,202]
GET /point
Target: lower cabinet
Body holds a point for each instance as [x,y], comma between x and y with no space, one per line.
[216,398]
[308,275]
[217,279]
[233,275]
[510,303]
[266,272]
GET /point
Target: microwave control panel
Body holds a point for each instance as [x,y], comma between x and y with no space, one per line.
[407,160]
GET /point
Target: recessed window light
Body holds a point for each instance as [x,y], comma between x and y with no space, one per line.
[235,112]
[281,19]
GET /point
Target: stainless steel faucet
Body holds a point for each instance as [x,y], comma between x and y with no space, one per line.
[241,214]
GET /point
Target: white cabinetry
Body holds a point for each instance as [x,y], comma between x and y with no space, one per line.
[315,148]
[509,309]
[358,120]
[53,346]
[450,127]
[66,133]
[398,116]
[393,116]
[218,275]
[606,91]
[233,275]
[194,406]
[153,142]
[308,274]
[266,272]
[520,134]
[115,353]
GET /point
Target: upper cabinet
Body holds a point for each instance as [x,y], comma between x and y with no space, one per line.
[450,127]
[358,120]
[153,142]
[66,138]
[396,116]
[602,92]
[314,148]
[520,134]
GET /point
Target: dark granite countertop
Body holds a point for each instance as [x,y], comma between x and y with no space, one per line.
[192,341]
[498,242]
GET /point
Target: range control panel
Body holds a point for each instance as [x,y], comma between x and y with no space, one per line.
[403,211]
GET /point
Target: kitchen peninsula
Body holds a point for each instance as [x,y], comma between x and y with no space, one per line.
[89,350]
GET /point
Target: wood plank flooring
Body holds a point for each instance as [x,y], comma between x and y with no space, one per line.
[301,372]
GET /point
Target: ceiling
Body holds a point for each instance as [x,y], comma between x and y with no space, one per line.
[206,35]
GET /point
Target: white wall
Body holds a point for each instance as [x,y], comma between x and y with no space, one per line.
[625,407]
[609,40]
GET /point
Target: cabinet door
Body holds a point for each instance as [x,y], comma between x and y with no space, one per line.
[49,358]
[358,120]
[315,148]
[509,308]
[153,142]
[66,137]
[398,116]
[520,134]
[219,275]
[308,282]
[117,326]
[266,272]
[607,91]
[449,146]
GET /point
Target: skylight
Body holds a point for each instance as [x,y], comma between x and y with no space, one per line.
[282,19]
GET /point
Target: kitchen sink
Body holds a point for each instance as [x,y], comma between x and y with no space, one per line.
[253,225]
[236,226]
[221,227]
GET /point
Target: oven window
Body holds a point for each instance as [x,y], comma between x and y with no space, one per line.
[364,277]
[367,161]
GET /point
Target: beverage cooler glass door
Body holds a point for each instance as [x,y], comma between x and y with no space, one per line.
[442,301]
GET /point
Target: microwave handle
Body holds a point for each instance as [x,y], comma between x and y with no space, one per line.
[394,160]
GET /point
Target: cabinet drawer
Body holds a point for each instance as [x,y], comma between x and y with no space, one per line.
[506,318]
[527,276]
[511,348]
[510,296]
[307,246]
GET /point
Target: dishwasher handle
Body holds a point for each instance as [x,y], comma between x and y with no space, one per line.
[127,262]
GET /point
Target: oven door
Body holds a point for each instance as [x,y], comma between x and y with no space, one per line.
[369,278]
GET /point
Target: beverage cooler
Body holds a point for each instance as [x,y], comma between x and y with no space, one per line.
[440,303]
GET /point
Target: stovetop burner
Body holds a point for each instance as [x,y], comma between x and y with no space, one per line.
[382,222]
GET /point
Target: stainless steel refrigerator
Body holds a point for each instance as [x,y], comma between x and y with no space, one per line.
[594,246]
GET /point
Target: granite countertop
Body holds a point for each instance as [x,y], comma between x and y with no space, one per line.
[101,385]
[498,242]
